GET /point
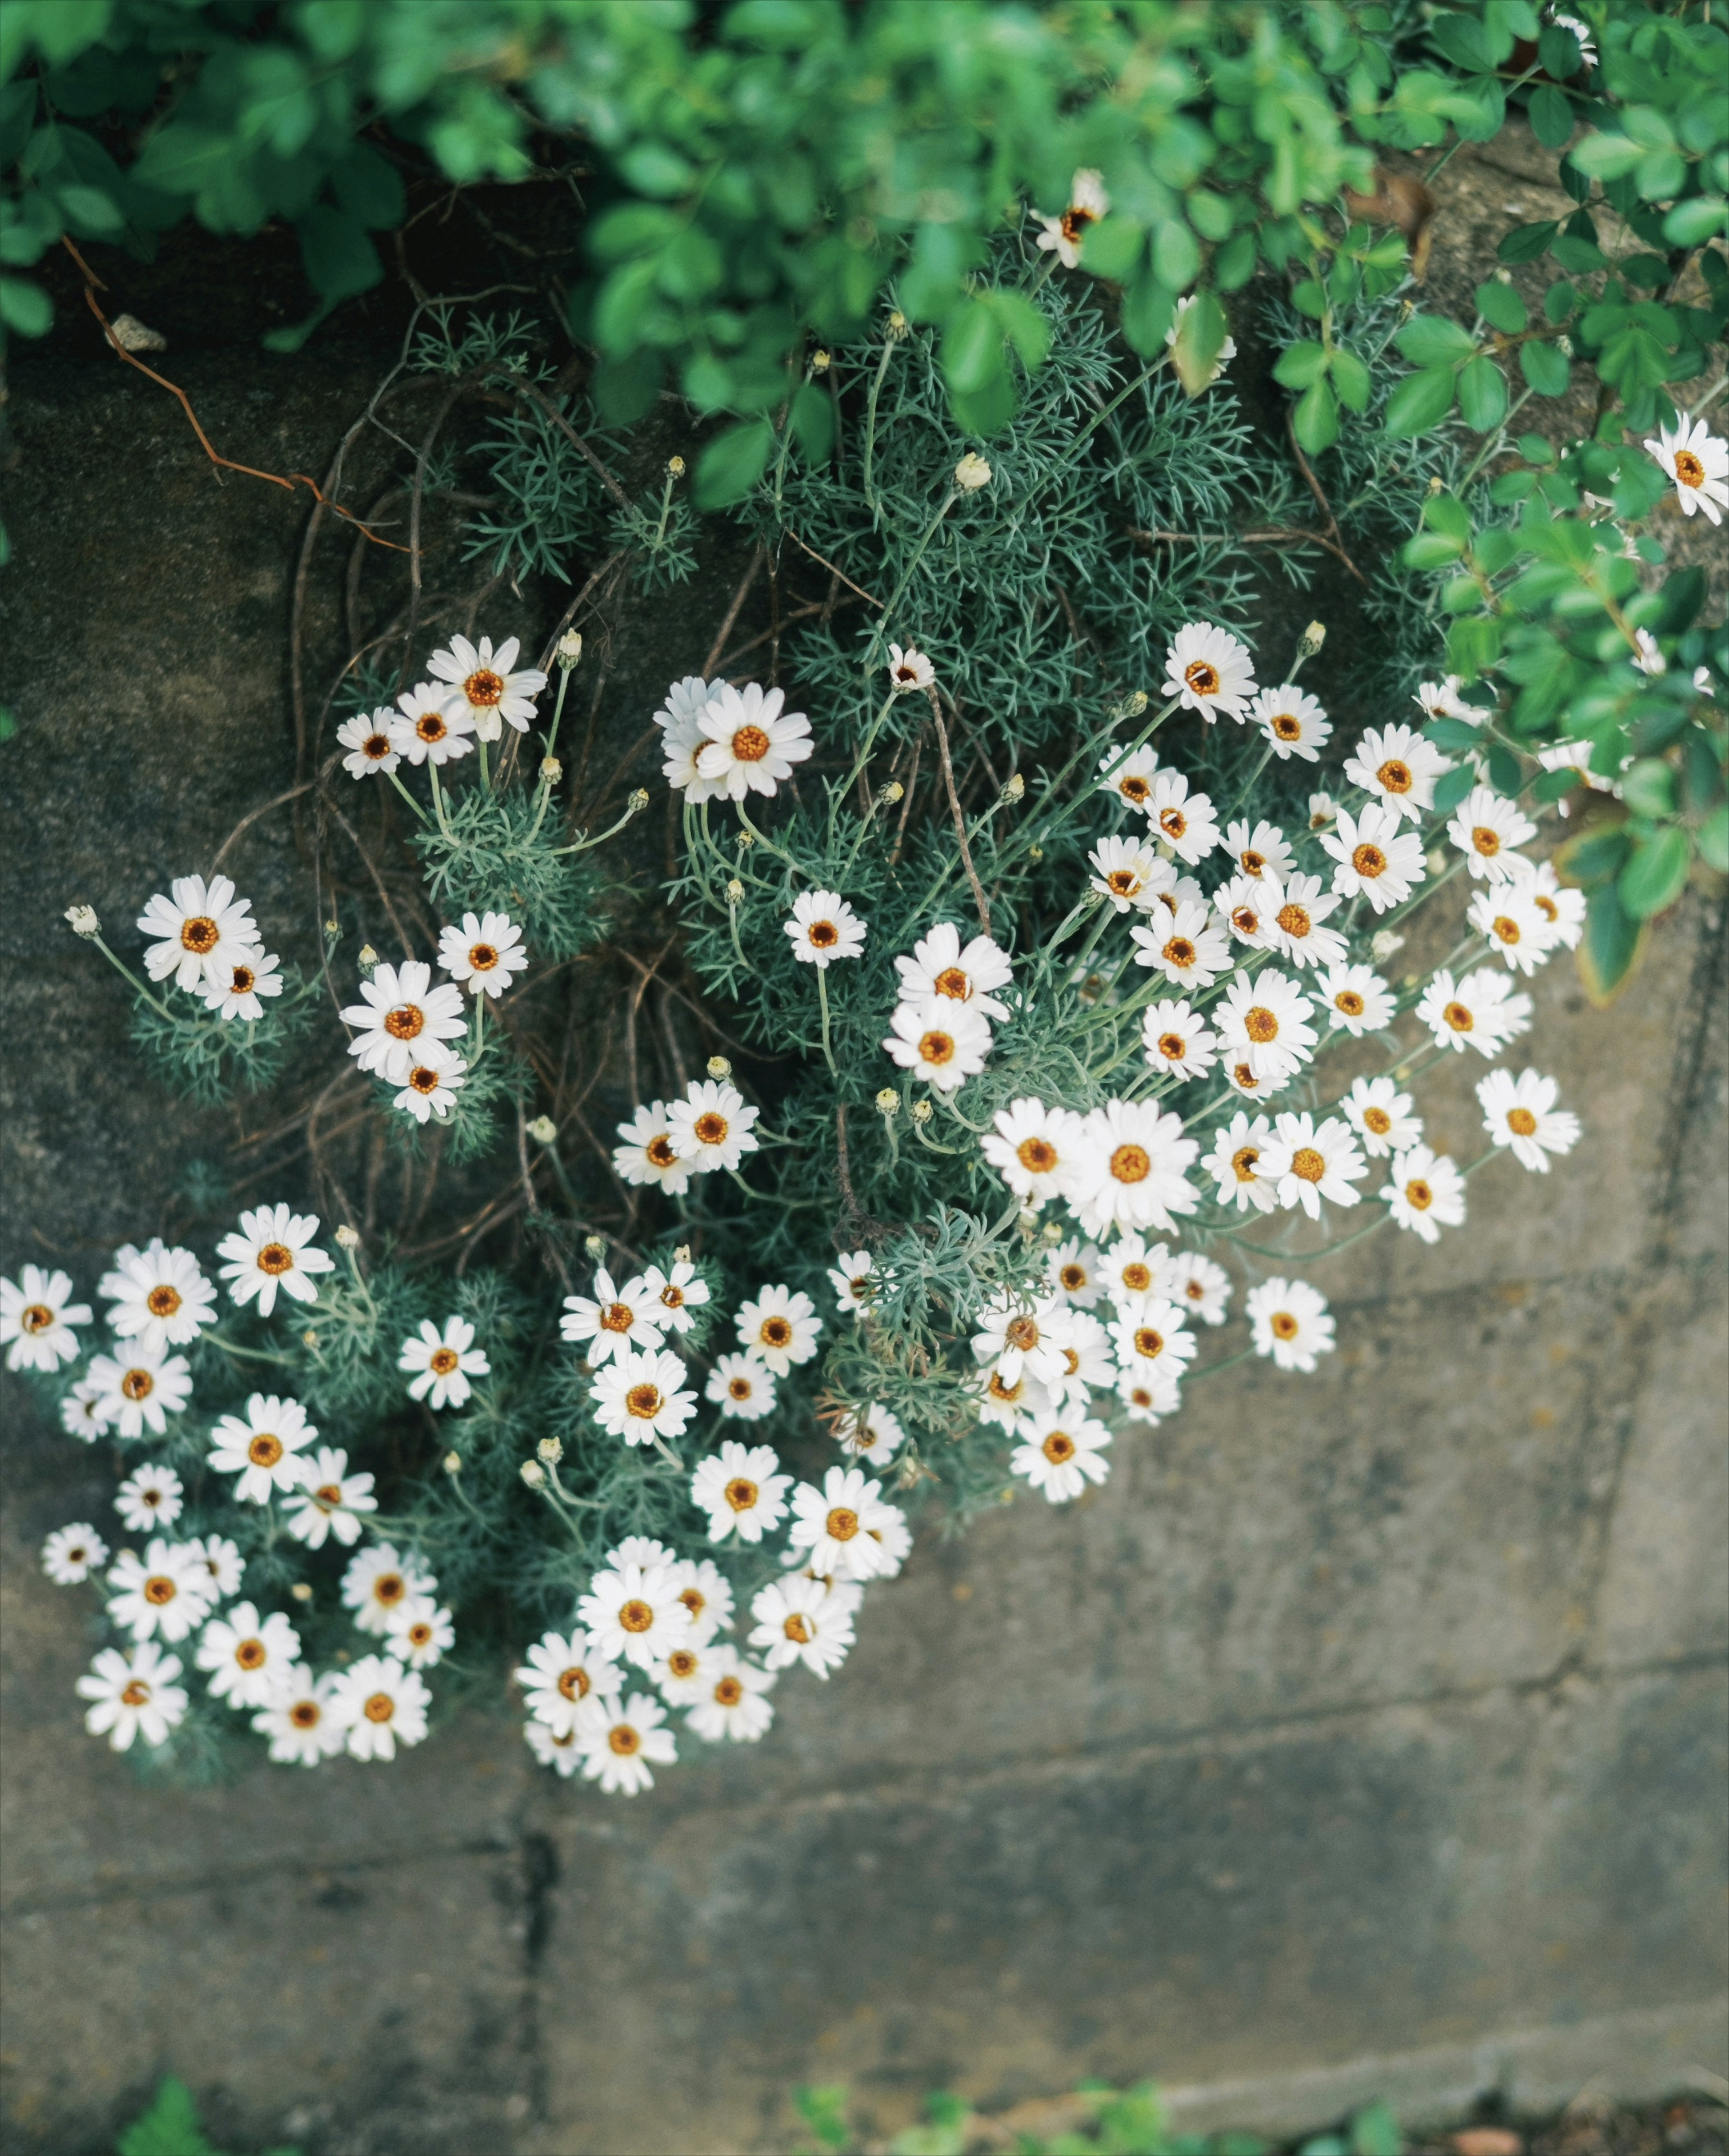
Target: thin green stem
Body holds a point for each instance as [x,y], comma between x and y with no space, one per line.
[823,999]
[949,500]
[876,384]
[420,812]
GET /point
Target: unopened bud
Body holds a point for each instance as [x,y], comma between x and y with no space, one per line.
[367,960]
[638,801]
[1313,637]
[308,1341]
[1035,852]
[1563,345]
[543,1130]
[453,1463]
[596,1246]
[890,794]
[83,921]
[719,1067]
[675,467]
[1131,706]
[1052,1231]
[347,1238]
[551,1450]
[300,1591]
[533,1474]
[820,361]
[1016,787]
[1503,276]
[896,323]
[1436,482]
[747,839]
[922,1112]
[1434,860]
[570,649]
[681,1255]
[1382,944]
[735,890]
[551,770]
[971,473]
[333,929]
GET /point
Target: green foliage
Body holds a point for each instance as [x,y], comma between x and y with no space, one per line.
[172,2126]
[1120,2122]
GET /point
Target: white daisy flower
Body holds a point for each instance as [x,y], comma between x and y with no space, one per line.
[444,1362]
[1149,1404]
[1289,1322]
[139,1390]
[1441,700]
[561,1753]
[618,1740]
[1399,766]
[1509,919]
[648,1158]
[562,1669]
[1257,850]
[201,929]
[823,928]
[751,744]
[852,1280]
[1240,1075]
[368,739]
[378,1704]
[895,1538]
[781,1325]
[908,669]
[272,1249]
[1076,1271]
[1698,462]
[1236,1164]
[1227,351]
[263,1447]
[742,1489]
[1561,907]
[488,688]
[1152,1344]
[1521,1113]
[431,1083]
[871,1434]
[1129,776]
[1087,1363]
[329,1501]
[1129,873]
[802,1620]
[37,1315]
[742,1386]
[633,1612]
[707,1593]
[677,1294]
[1007,1406]
[684,742]
[1034,1149]
[162,1593]
[613,1319]
[1190,949]
[81,1412]
[1297,930]
[1309,1161]
[1131,1168]
[157,1297]
[685,701]
[1064,236]
[248,1657]
[1183,819]
[1487,828]
[1198,1287]
[638,1395]
[1381,1117]
[1263,1020]
[400,1016]
[1207,671]
[133,1696]
[234,992]
[1375,857]
[1480,1011]
[1355,999]
[433,724]
[735,1701]
[484,954]
[712,1127]
[378,1582]
[302,1730]
[72,1553]
[942,967]
[421,1633]
[942,1047]
[1293,723]
[1015,1336]
[1246,904]
[1061,1458]
[1135,1269]
[1323,812]
[684,1676]
[220,1561]
[1426,1193]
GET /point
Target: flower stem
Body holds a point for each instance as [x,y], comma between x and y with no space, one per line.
[823,999]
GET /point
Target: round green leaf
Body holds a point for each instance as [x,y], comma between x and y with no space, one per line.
[1653,879]
[1316,420]
[1482,395]
[1420,402]
[732,463]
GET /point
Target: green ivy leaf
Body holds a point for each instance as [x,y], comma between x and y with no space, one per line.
[1482,395]
[1501,307]
[1147,310]
[1505,775]
[1713,840]
[25,307]
[1654,876]
[1200,338]
[1545,367]
[1350,379]
[1434,341]
[1420,402]
[1302,365]
[1315,421]
[1602,156]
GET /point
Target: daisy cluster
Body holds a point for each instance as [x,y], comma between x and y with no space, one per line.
[475,692]
[204,941]
[406,1023]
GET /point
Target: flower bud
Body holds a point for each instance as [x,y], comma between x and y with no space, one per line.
[1382,944]
[888,1102]
[675,467]
[1503,276]
[1035,852]
[596,1246]
[1131,706]
[1313,637]
[922,1112]
[551,770]
[367,960]
[347,1238]
[735,890]
[971,473]
[1563,345]
[681,1255]
[745,840]
[533,1474]
[819,362]
[719,1067]
[1434,860]
[1016,787]
[543,1130]
[638,801]
[1052,1229]
[83,921]
[308,1341]
[551,1450]
[570,649]
[888,795]
[453,1463]
[300,1591]
[897,324]
[333,929]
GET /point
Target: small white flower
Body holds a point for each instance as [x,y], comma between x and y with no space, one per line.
[378,1583]
[235,992]
[1399,766]
[1521,1113]
[1147,1403]
[1240,1075]
[562,1669]
[742,1387]
[1075,1270]
[1561,907]
[942,969]
[971,473]
[1190,950]
[1355,999]
[742,1489]
[617,1741]
[1297,930]
[249,1657]
[379,1704]
[1246,904]
[263,1447]
[560,1753]
[81,1412]
[1199,1287]
[484,953]
[1227,351]
[329,1501]
[1486,829]
[431,1083]
[633,1612]
[1130,1173]
[433,726]
[734,1702]
[421,1633]
[488,690]
[1134,1270]
[1207,671]
[780,1325]
[1323,812]
[908,669]
[823,928]
[712,1127]
[750,744]
[1129,873]
[1152,1344]
[1426,1193]
[640,1396]
[442,1362]
[157,1297]
[1441,700]
[1375,857]
[1011,1407]
[684,1676]
[1263,1020]
[1698,462]
[942,1045]
[851,1279]
[1237,1164]
[1381,1116]
[37,1315]
[400,1016]
[133,1696]
[1295,725]
[272,1249]
[1015,1336]
[1184,820]
[685,701]
[1034,1149]
[302,1730]
[1129,776]
[872,1434]
[1289,1322]
[72,1553]
[1507,917]
[372,746]
[707,1593]
[613,1319]
[1061,1457]
[1062,236]
[220,1561]
[162,1593]
[802,1620]
[1480,1011]
[201,929]
[649,1157]
[1261,849]
[142,1388]
[1309,1161]
[832,1527]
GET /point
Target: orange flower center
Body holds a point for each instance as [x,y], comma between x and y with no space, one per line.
[1293,920]
[750,745]
[1180,951]
[424,1080]
[1149,1342]
[1459,1018]
[1348,1001]
[1689,469]
[376,746]
[1039,1156]
[430,727]
[842,1523]
[1308,1164]
[1137,1278]
[617,1317]
[35,1317]
[1134,789]
[1058,1447]
[1521,1122]
[443,1361]
[1022,1332]
[936,1049]
[1073,1277]
[1260,1024]
[1506,929]
[823,935]
[1369,861]
[1376,1119]
[265,1449]
[1486,840]
[741,1493]
[482,957]
[1419,1194]
[1283,1325]
[243,982]
[162,1301]
[483,688]
[711,1127]
[389,1587]
[644,1401]
[1287,727]
[659,1151]
[379,1707]
[1124,882]
[1172,823]
[796,1628]
[636,1616]
[275,1258]
[136,1693]
[159,1590]
[1173,1047]
[776,1332]
[305,1714]
[1243,1163]
[200,934]
[681,1663]
[251,1653]
[405,1022]
[1395,777]
[574,1682]
[729,1692]
[1131,1163]
[953,982]
[1202,677]
[137,1385]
